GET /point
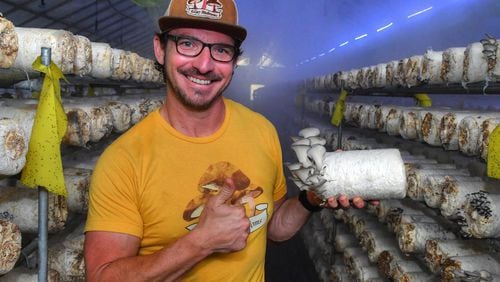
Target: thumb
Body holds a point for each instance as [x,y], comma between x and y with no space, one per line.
[226,192]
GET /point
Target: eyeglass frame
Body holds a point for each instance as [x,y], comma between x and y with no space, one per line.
[175,39]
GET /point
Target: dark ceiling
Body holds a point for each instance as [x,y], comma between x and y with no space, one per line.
[288,32]
[122,24]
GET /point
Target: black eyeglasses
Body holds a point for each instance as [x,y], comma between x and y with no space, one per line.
[192,47]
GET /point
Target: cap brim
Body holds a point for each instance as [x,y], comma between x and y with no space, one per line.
[168,23]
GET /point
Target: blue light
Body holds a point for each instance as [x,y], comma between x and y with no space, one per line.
[384,27]
[420,12]
[361,36]
[321,55]
[313,58]
[343,44]
[331,50]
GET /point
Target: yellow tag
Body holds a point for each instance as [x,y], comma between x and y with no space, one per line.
[493,168]
[423,100]
[43,160]
[338,113]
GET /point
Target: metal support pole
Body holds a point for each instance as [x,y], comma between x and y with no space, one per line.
[339,135]
[43,200]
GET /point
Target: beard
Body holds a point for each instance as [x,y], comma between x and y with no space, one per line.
[193,103]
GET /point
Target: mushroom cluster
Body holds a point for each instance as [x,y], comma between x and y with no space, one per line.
[371,174]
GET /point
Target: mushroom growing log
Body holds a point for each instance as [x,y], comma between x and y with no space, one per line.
[398,216]
[392,264]
[417,177]
[102,59]
[433,187]
[20,205]
[413,236]
[9,43]
[475,64]
[484,267]
[413,276]
[431,67]
[429,128]
[385,206]
[354,258]
[487,128]
[121,68]
[357,173]
[438,251]
[13,147]
[377,241]
[367,273]
[83,56]
[482,214]
[393,120]
[352,173]
[454,194]
[469,131]
[77,182]
[101,121]
[61,42]
[121,115]
[452,66]
[10,245]
[412,70]
[381,117]
[79,123]
[24,274]
[409,123]
[66,257]
[448,129]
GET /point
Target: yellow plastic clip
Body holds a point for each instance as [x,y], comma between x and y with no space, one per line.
[338,113]
[423,100]
[493,167]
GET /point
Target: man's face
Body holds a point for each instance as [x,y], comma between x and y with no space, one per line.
[197,81]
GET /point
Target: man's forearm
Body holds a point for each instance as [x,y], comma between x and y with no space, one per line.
[287,220]
[168,264]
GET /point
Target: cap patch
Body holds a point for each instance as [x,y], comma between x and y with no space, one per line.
[211,9]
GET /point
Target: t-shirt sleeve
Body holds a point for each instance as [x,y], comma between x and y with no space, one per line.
[113,195]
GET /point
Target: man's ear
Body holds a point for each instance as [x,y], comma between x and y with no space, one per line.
[159,50]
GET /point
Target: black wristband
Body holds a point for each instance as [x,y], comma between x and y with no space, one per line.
[306,204]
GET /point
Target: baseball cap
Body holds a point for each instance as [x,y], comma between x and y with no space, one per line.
[216,15]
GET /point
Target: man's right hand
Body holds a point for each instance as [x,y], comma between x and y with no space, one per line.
[223,227]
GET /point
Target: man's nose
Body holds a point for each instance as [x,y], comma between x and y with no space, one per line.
[204,62]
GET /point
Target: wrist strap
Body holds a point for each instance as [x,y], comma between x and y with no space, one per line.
[306,204]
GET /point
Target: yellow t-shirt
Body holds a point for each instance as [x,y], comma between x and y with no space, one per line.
[152,183]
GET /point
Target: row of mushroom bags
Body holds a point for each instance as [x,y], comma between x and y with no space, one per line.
[93,123]
[73,54]
[90,120]
[477,62]
[437,227]
[467,131]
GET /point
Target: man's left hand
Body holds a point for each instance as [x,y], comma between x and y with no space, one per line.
[344,202]
[341,201]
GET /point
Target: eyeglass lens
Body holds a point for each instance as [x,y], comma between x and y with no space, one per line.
[193,47]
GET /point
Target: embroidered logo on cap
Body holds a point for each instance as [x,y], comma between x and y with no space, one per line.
[211,9]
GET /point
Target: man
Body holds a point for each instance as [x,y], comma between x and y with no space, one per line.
[195,189]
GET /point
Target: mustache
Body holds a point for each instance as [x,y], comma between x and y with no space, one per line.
[194,72]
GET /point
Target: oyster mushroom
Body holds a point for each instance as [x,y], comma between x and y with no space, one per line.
[301,152]
[316,153]
[309,132]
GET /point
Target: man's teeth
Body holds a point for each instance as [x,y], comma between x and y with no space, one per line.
[199,81]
